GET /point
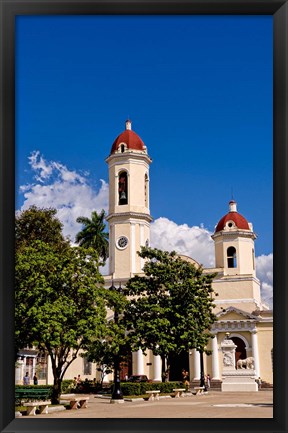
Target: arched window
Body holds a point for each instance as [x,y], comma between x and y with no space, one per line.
[231,257]
[146,189]
[123,188]
[122,148]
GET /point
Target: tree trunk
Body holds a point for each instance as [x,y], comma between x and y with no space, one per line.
[56,391]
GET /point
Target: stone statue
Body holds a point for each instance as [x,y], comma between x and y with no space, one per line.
[248,363]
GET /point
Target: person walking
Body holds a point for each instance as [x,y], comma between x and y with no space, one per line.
[79,381]
[185,377]
[35,379]
[74,382]
[208,381]
[26,379]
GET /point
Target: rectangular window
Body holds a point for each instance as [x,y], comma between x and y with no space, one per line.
[87,367]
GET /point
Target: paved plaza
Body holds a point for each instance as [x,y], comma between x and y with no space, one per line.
[215,404]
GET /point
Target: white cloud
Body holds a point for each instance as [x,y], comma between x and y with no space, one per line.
[264,271]
[196,242]
[193,241]
[67,191]
[39,165]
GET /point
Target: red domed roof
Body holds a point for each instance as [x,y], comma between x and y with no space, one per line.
[239,221]
[130,138]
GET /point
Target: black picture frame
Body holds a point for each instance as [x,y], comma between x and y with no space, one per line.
[276,8]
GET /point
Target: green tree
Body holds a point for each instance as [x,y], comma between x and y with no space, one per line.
[38,224]
[59,302]
[59,298]
[30,225]
[116,341]
[170,308]
[93,234]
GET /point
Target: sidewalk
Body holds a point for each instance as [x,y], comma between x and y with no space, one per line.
[215,404]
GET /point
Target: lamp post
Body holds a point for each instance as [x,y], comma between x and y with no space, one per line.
[202,378]
[117,395]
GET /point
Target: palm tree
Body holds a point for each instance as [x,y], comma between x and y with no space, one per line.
[93,235]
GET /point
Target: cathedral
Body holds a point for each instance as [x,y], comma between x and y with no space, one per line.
[239,308]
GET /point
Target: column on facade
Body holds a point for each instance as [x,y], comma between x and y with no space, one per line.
[111,255]
[255,352]
[138,362]
[215,358]
[34,366]
[142,243]
[19,371]
[157,368]
[133,249]
[196,364]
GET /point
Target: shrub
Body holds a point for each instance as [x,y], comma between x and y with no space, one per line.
[164,387]
[86,387]
[33,386]
[131,388]
[67,386]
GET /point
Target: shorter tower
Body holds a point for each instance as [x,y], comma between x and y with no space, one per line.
[234,243]
[236,282]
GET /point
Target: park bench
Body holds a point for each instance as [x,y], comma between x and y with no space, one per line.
[153,395]
[75,402]
[31,394]
[33,398]
[33,405]
[178,392]
[199,390]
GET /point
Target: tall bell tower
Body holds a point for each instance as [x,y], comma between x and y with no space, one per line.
[129,215]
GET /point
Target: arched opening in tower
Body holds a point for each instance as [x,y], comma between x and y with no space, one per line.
[122,188]
[231,257]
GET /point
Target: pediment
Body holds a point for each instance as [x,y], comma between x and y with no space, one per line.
[190,260]
[232,313]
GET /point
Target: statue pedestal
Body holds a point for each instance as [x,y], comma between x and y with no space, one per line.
[233,380]
[239,381]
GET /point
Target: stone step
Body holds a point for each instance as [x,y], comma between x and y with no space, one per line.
[214,384]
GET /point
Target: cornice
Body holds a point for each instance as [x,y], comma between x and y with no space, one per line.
[232,233]
[129,215]
[239,277]
[234,325]
[126,156]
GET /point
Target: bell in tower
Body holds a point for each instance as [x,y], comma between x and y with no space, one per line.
[122,188]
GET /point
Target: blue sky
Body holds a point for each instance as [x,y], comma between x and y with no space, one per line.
[198,90]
